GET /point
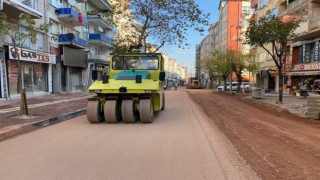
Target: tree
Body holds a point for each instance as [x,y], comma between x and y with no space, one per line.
[274,31]
[240,61]
[219,63]
[164,22]
[12,28]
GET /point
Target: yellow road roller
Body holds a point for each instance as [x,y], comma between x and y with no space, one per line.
[130,90]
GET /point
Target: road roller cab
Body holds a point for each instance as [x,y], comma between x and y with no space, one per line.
[132,89]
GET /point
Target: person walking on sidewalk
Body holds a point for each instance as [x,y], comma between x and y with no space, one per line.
[176,85]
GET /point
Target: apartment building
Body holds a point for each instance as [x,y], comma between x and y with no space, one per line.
[36,62]
[303,61]
[227,33]
[78,41]
[266,76]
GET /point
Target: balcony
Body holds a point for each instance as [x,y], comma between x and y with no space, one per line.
[297,7]
[99,19]
[101,59]
[254,3]
[71,40]
[314,24]
[102,4]
[303,28]
[16,7]
[71,16]
[100,39]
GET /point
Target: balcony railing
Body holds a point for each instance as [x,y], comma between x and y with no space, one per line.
[94,57]
[102,4]
[99,19]
[71,39]
[35,6]
[293,6]
[100,39]
[71,16]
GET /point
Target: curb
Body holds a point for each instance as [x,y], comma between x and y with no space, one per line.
[16,130]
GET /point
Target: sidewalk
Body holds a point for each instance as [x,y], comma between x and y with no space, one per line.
[44,110]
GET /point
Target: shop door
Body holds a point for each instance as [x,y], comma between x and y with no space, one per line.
[27,80]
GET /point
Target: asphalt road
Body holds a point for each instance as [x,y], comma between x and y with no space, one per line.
[180,144]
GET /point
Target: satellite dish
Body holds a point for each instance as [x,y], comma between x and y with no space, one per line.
[72,2]
[100,29]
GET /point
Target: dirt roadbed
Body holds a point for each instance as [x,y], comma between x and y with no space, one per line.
[276,143]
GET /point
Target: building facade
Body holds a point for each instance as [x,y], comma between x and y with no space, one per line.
[35,60]
[79,40]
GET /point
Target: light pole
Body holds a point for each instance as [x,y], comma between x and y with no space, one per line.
[230,49]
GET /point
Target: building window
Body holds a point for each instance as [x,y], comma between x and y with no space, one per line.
[309,53]
[299,55]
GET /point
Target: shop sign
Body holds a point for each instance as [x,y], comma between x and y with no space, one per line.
[306,67]
[304,53]
[3,76]
[30,55]
[316,51]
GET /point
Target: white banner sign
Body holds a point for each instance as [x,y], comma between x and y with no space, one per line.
[3,79]
[304,67]
[31,55]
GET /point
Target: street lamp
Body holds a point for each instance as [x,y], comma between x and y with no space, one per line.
[230,49]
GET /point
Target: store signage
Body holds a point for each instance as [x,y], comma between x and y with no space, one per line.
[304,53]
[316,51]
[30,55]
[3,76]
[306,67]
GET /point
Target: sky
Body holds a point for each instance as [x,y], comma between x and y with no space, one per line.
[186,56]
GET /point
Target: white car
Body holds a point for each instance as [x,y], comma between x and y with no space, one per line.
[221,87]
[234,86]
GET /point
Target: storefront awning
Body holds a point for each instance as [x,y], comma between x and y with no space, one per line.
[303,73]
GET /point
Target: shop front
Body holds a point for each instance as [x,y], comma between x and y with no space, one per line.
[35,70]
[305,68]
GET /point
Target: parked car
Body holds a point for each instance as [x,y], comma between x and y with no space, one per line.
[233,86]
[221,87]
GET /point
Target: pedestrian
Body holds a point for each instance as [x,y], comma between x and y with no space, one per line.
[176,85]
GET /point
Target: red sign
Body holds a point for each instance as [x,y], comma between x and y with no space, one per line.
[306,67]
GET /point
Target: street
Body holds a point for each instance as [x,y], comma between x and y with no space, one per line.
[276,143]
[181,144]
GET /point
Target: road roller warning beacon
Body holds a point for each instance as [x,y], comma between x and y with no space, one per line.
[131,90]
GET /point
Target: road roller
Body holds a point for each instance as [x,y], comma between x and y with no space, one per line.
[129,90]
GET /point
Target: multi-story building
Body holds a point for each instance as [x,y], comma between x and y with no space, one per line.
[303,61]
[35,61]
[301,67]
[266,77]
[227,34]
[78,41]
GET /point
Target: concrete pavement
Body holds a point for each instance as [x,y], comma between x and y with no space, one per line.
[43,110]
[49,109]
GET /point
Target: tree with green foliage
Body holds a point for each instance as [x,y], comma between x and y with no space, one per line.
[241,61]
[274,31]
[162,22]
[218,64]
[12,28]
